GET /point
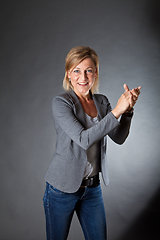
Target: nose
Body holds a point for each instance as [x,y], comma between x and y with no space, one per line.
[83,75]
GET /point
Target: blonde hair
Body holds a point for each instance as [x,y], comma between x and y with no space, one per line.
[74,57]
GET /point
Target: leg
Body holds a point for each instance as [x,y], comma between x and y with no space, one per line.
[91,214]
[59,209]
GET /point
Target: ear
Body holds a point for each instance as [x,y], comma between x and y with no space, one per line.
[95,75]
[69,74]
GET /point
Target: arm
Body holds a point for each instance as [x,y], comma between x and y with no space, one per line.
[119,134]
[127,101]
[66,121]
[124,106]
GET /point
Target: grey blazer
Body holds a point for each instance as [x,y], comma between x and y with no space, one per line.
[67,168]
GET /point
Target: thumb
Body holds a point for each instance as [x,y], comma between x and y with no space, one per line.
[126,88]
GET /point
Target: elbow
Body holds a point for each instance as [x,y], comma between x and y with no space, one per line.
[120,140]
[84,142]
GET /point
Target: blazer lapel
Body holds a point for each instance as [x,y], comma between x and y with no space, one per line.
[101,108]
[78,109]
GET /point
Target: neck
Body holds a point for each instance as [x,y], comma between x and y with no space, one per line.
[84,97]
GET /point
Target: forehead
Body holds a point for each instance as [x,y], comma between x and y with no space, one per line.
[86,63]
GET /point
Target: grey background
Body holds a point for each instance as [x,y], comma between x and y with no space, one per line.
[35,39]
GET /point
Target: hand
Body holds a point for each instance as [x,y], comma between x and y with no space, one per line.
[126,101]
[134,94]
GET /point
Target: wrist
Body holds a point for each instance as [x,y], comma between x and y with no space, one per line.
[129,113]
[116,113]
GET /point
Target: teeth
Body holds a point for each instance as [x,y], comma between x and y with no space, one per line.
[82,83]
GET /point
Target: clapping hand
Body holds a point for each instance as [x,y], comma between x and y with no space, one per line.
[133,95]
[127,100]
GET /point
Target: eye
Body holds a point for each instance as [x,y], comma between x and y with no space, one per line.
[89,71]
[76,71]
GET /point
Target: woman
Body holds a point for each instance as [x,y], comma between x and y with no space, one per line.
[82,121]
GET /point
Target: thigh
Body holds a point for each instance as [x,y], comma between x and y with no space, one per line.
[91,214]
[59,209]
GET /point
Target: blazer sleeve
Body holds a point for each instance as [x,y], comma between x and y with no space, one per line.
[119,134]
[66,121]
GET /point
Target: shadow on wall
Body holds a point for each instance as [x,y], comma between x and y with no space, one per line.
[153,12]
[147,225]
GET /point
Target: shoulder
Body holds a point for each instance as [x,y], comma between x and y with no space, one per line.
[67,98]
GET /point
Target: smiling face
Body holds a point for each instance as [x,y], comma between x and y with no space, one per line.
[83,76]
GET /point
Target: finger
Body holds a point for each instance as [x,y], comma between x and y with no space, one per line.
[132,100]
[138,89]
[135,92]
[126,88]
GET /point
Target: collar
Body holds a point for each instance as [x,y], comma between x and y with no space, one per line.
[98,101]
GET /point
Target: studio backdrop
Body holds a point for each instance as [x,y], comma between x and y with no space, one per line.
[35,39]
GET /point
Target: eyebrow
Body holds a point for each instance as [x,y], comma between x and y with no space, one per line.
[86,68]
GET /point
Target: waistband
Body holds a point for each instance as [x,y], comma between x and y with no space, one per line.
[91,181]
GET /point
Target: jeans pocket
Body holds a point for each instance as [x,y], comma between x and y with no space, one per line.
[56,191]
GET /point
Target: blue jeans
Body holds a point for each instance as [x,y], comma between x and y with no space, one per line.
[86,202]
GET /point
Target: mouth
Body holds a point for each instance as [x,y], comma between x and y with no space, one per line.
[83,84]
